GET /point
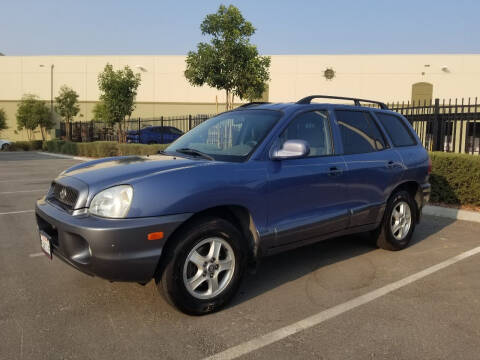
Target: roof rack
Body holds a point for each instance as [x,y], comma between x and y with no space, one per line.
[308,99]
[253,103]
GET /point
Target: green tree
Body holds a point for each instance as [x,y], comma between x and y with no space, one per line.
[100,113]
[33,113]
[67,107]
[3,120]
[118,91]
[229,62]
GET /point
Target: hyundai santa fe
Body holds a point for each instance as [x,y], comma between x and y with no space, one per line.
[248,183]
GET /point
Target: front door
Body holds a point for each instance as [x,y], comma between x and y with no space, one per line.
[308,196]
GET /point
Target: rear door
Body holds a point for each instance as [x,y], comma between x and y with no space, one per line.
[411,151]
[373,167]
[307,197]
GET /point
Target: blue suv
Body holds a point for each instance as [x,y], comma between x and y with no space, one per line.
[248,183]
[154,135]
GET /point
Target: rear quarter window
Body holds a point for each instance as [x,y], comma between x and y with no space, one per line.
[397,130]
[359,132]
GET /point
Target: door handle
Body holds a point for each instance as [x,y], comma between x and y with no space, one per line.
[335,171]
[392,164]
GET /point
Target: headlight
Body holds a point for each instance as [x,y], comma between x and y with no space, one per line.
[113,202]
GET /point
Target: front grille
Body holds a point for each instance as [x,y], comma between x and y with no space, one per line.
[65,196]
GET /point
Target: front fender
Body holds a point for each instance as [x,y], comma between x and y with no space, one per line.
[195,189]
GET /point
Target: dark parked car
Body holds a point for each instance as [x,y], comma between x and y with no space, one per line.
[154,135]
[245,184]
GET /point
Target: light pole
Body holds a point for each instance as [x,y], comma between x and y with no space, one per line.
[142,69]
[51,87]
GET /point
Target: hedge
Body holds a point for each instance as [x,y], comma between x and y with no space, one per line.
[100,148]
[26,145]
[455,179]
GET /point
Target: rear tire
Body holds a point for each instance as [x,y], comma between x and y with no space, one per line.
[203,269]
[396,230]
[5,147]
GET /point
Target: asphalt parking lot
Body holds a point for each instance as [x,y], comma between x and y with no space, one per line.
[51,311]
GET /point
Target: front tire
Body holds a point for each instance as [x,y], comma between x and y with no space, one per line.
[203,269]
[396,230]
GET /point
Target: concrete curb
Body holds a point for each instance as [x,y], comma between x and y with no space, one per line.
[451,213]
[81,158]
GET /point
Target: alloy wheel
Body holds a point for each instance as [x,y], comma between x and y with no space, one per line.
[209,268]
[400,220]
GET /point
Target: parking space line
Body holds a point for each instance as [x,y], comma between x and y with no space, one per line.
[282,333]
[20,191]
[63,156]
[37,254]
[16,212]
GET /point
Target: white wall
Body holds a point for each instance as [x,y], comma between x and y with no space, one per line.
[382,77]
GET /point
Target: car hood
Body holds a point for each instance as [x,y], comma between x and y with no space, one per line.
[124,169]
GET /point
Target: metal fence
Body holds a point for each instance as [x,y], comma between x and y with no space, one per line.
[442,125]
[445,125]
[85,131]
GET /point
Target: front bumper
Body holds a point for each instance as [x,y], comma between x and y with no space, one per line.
[133,139]
[114,249]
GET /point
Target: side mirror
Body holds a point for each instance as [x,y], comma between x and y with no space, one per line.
[291,149]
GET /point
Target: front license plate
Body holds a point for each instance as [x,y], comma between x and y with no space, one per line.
[45,243]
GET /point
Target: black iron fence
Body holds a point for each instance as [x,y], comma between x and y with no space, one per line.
[442,125]
[85,131]
[445,125]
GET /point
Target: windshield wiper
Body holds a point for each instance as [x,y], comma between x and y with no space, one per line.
[194,152]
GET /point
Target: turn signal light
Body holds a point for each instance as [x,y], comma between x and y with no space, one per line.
[155,235]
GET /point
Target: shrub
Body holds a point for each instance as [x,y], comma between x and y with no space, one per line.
[455,178]
[26,145]
[100,148]
[97,149]
[139,149]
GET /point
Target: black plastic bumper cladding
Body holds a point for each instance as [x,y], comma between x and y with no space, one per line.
[422,198]
[114,249]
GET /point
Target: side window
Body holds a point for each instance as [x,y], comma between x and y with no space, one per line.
[359,132]
[314,128]
[397,130]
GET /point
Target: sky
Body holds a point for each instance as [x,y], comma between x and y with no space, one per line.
[87,27]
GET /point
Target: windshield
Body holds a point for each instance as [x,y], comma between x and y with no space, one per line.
[231,136]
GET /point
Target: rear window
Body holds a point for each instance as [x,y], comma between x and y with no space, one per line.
[397,130]
[359,132]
